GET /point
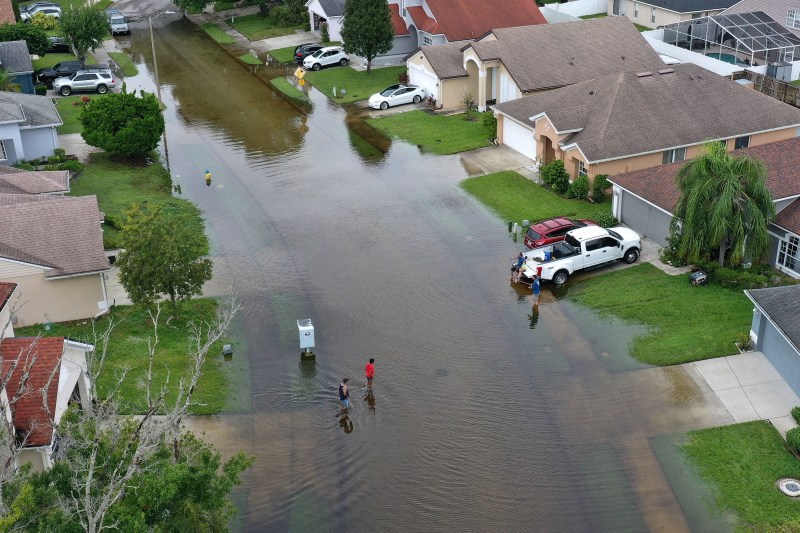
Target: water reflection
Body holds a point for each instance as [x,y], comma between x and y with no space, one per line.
[345,423]
[533,317]
[370,399]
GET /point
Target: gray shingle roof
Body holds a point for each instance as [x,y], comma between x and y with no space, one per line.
[782,305]
[690,6]
[15,57]
[59,232]
[30,110]
[554,55]
[624,114]
[18,181]
[332,8]
[447,60]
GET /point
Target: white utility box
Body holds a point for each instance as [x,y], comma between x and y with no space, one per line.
[306,331]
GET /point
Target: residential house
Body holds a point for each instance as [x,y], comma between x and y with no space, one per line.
[28,124]
[633,120]
[645,200]
[52,248]
[428,22]
[17,181]
[15,59]
[509,63]
[33,365]
[7,12]
[786,12]
[775,329]
[655,13]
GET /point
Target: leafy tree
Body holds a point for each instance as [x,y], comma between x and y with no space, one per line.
[489,122]
[599,187]
[37,40]
[724,206]
[46,22]
[367,30]
[123,123]
[7,82]
[163,253]
[85,27]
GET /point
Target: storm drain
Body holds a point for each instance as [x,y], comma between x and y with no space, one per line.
[789,486]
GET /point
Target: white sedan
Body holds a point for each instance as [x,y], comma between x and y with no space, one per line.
[396,95]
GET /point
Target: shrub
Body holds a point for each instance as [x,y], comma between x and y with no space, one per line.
[734,278]
[71,164]
[113,221]
[44,22]
[59,152]
[744,341]
[605,219]
[403,77]
[40,89]
[793,440]
[796,414]
[24,165]
[555,176]
[561,183]
[323,31]
[579,188]
[490,124]
[599,187]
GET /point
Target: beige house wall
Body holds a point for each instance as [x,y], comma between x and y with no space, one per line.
[56,300]
[662,16]
[32,456]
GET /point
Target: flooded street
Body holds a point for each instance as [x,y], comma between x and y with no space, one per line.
[485,415]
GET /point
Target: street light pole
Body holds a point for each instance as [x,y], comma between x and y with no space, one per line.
[158,83]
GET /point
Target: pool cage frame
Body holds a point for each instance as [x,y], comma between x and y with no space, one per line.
[751,38]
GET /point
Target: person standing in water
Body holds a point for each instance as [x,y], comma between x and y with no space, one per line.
[536,288]
[344,394]
[208,178]
[369,372]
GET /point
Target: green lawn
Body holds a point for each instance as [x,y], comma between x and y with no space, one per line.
[642,28]
[118,185]
[128,349]
[51,59]
[256,27]
[125,63]
[358,84]
[217,34]
[70,113]
[516,198]
[66,4]
[250,59]
[438,134]
[795,82]
[283,55]
[742,462]
[595,16]
[290,91]
[686,323]
[223,5]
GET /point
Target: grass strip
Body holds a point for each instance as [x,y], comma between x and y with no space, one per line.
[128,350]
[125,63]
[517,198]
[217,34]
[437,134]
[686,323]
[357,83]
[290,91]
[250,59]
[743,462]
[255,27]
[283,55]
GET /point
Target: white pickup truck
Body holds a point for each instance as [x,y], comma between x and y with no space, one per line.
[581,249]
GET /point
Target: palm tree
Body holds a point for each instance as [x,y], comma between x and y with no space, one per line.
[7,82]
[724,205]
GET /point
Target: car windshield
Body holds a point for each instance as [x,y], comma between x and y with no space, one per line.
[388,92]
[614,234]
[317,53]
[117,20]
[572,240]
[533,235]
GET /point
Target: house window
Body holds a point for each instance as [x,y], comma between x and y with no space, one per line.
[3,155]
[741,142]
[653,15]
[696,15]
[787,254]
[582,169]
[636,10]
[793,18]
[670,156]
[427,41]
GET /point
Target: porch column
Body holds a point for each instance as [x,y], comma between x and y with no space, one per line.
[482,87]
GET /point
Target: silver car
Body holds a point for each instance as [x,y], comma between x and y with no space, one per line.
[99,80]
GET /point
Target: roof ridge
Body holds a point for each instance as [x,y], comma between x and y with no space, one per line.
[613,99]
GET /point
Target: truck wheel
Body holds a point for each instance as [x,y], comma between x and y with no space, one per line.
[560,278]
[631,256]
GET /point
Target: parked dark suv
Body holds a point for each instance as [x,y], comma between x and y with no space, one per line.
[63,69]
[304,50]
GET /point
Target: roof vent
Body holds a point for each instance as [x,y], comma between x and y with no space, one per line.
[623,58]
[591,93]
[643,74]
[666,71]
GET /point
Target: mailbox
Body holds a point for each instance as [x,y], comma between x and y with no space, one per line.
[306,331]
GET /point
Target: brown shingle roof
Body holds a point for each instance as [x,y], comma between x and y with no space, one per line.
[469,19]
[6,290]
[42,355]
[657,184]
[627,114]
[18,181]
[398,23]
[446,59]
[554,55]
[62,233]
[789,217]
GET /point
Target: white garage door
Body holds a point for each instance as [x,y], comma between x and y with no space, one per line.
[519,138]
[424,80]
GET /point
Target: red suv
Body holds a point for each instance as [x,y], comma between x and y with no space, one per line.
[552,230]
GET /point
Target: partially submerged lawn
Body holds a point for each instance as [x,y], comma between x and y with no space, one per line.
[125,63]
[128,349]
[217,34]
[516,198]
[290,91]
[743,462]
[438,134]
[255,27]
[358,84]
[687,323]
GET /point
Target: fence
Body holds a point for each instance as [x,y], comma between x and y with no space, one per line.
[780,90]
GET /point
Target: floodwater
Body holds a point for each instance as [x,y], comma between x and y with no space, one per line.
[486,416]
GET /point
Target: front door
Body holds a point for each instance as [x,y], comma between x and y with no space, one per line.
[548,152]
[616,7]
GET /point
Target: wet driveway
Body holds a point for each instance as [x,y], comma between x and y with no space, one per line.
[485,416]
